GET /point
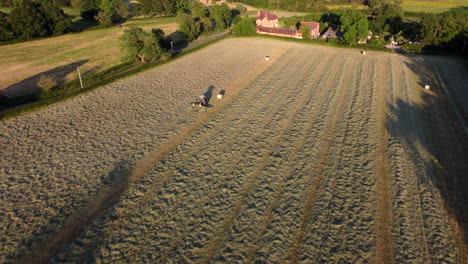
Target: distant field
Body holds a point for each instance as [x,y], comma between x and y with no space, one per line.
[93,51]
[433,6]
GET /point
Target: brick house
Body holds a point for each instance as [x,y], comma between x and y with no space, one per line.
[266,19]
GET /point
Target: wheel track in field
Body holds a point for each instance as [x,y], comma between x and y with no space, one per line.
[262,160]
[277,238]
[185,157]
[266,114]
[292,163]
[315,181]
[148,192]
[342,228]
[173,248]
[439,240]
[384,244]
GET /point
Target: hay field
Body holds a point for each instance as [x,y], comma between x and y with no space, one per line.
[318,155]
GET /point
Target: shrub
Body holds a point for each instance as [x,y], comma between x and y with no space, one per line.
[245,27]
[46,83]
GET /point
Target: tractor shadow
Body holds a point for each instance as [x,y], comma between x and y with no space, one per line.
[209,93]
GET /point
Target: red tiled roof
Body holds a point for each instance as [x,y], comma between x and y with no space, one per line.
[312,25]
[285,31]
[269,16]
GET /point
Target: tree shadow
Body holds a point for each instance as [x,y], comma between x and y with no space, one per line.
[29,85]
[45,246]
[441,136]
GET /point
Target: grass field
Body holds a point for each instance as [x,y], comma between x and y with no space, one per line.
[430,6]
[92,50]
[319,155]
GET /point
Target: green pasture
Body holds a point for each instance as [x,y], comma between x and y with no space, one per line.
[430,6]
[92,50]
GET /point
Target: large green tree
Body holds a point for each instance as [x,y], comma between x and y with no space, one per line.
[164,7]
[354,25]
[444,28]
[189,26]
[221,14]
[388,8]
[6,32]
[245,27]
[32,19]
[140,46]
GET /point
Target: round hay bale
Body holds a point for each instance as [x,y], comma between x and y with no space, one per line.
[267,58]
[219,96]
[427,87]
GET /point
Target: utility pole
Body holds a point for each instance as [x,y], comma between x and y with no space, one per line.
[79,75]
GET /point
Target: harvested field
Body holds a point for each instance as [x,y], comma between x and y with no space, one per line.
[319,155]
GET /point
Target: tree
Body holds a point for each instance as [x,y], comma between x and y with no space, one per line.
[121,9]
[38,19]
[388,8]
[305,30]
[165,7]
[190,27]
[140,46]
[354,25]
[6,32]
[221,14]
[198,9]
[105,14]
[89,8]
[443,28]
[245,27]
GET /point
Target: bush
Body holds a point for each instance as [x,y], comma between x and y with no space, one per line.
[377,42]
[245,27]
[412,48]
[46,83]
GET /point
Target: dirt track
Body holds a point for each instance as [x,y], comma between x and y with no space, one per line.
[324,156]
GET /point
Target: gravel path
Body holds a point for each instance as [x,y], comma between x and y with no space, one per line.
[293,169]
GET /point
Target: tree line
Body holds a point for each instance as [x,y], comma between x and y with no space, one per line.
[194,19]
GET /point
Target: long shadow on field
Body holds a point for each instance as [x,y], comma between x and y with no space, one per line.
[442,136]
[50,244]
[29,85]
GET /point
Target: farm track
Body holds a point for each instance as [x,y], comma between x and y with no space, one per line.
[318,155]
[343,202]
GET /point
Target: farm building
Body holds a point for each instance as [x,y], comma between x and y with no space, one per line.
[314,28]
[276,31]
[332,33]
[266,19]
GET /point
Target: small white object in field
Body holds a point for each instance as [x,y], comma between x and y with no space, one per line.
[267,58]
[219,96]
[427,87]
[363,52]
